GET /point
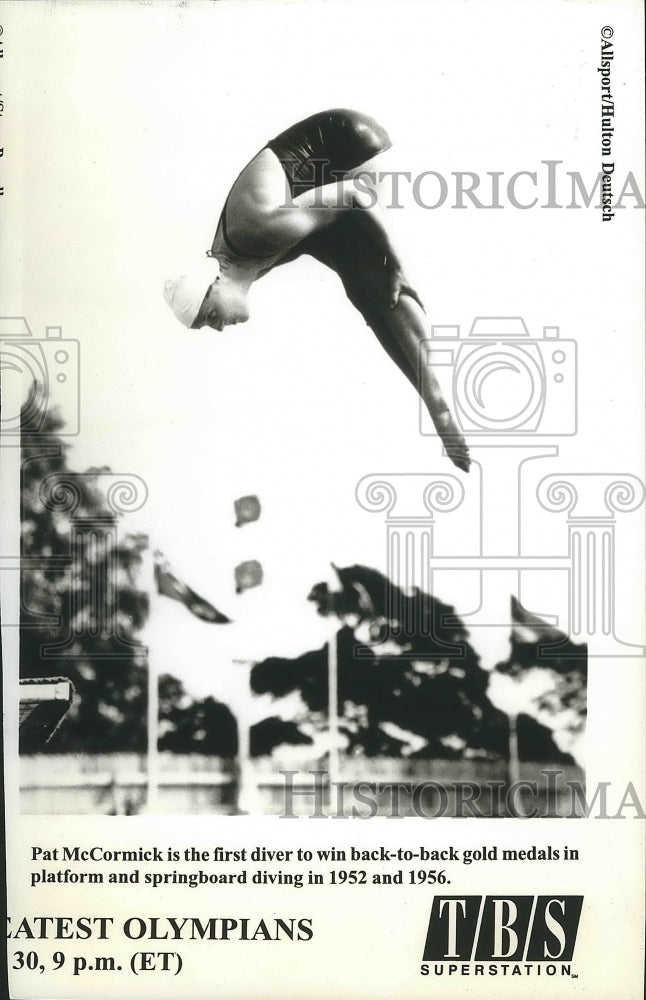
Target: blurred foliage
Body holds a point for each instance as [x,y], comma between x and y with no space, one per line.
[187,726]
[409,680]
[109,708]
[535,645]
[207,726]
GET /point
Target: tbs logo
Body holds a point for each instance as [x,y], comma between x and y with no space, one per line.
[502,928]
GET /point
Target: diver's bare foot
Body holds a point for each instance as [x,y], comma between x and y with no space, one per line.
[454,444]
[459,455]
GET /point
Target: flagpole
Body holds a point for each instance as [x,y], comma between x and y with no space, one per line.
[333,708]
[152,714]
[244,794]
[246,799]
[163,581]
[514,761]
[152,796]
[247,574]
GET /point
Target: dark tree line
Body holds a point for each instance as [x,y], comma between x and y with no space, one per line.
[58,606]
[405,662]
[415,669]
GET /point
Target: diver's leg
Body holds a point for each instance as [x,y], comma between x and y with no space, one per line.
[401,332]
[346,248]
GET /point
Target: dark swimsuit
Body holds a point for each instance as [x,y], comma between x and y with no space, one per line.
[320,150]
[323,148]
[317,151]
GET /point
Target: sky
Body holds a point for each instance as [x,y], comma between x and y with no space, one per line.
[118,169]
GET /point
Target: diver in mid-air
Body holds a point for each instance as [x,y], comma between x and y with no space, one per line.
[298,196]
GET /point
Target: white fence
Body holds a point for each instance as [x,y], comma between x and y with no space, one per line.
[116,784]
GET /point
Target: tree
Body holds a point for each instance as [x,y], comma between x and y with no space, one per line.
[409,679]
[207,726]
[58,603]
[188,726]
[109,708]
[545,676]
[406,669]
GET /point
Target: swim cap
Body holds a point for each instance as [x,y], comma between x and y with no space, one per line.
[186,293]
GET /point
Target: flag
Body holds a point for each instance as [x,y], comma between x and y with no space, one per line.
[247,509]
[170,586]
[248,574]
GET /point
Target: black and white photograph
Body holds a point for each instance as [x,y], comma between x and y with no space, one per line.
[322,353]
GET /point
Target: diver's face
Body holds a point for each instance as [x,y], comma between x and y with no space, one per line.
[224,305]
